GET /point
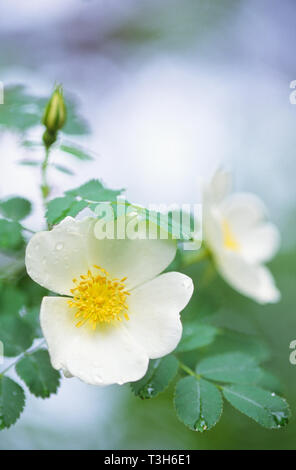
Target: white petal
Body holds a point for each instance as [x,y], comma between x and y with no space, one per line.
[243,211]
[54,258]
[154,311]
[261,243]
[254,281]
[139,260]
[246,217]
[218,188]
[105,356]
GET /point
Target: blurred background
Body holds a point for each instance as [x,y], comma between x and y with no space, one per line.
[171,89]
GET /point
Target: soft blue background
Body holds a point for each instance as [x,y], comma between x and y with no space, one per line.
[172,89]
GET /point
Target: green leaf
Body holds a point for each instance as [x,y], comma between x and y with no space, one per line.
[76,151]
[164,222]
[88,195]
[11,266]
[38,374]
[12,402]
[94,191]
[63,169]
[234,367]
[12,299]
[198,403]
[61,207]
[31,143]
[31,317]
[15,334]
[266,408]
[20,109]
[34,292]
[196,335]
[16,208]
[175,226]
[160,373]
[10,235]
[27,162]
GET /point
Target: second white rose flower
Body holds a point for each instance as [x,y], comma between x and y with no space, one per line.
[240,239]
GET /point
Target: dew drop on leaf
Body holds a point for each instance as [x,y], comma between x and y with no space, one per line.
[149,391]
[201,424]
[280,418]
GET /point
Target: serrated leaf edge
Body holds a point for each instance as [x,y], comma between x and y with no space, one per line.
[251,417]
[187,425]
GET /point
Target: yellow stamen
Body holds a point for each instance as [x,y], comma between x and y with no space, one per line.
[229,240]
[98,299]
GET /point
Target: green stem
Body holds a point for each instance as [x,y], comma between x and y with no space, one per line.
[45,189]
[191,372]
[188,370]
[27,353]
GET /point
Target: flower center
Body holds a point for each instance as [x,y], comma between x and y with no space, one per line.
[99,299]
[229,239]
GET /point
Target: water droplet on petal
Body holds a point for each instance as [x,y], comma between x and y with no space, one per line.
[59,246]
[187,283]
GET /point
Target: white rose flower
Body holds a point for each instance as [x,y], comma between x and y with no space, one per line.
[240,239]
[116,311]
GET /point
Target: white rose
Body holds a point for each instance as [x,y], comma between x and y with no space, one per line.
[240,239]
[116,311]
